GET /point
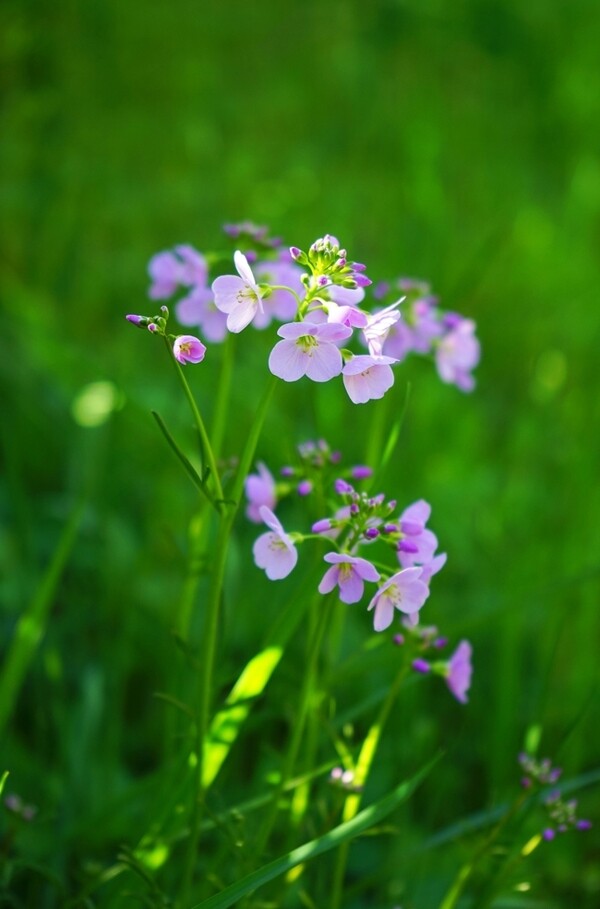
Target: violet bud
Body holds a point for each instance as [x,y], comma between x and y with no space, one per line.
[407,546]
[341,487]
[152,326]
[142,321]
[371,533]
[583,824]
[548,834]
[398,639]
[390,528]
[439,643]
[304,488]
[420,665]
[322,526]
[287,471]
[361,472]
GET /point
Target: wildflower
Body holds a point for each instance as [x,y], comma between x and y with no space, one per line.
[274,551]
[367,378]
[457,353]
[378,327]
[199,308]
[260,490]
[188,349]
[168,270]
[404,591]
[349,574]
[239,297]
[308,349]
[459,671]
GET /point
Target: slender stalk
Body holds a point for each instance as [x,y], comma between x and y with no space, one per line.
[205,441]
[361,774]
[305,700]
[458,885]
[209,639]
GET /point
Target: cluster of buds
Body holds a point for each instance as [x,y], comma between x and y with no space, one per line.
[329,265]
[186,348]
[456,670]
[561,813]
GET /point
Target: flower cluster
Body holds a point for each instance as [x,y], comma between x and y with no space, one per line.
[426,329]
[358,521]
[561,813]
[456,670]
[317,294]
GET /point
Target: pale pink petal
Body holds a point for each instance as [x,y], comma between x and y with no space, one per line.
[243,269]
[288,361]
[324,362]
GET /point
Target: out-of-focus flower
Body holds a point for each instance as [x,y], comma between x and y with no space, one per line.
[199,308]
[168,270]
[457,353]
[459,671]
[260,490]
[274,551]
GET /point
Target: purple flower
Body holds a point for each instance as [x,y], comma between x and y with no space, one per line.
[367,378]
[378,327]
[308,349]
[188,349]
[260,490]
[399,341]
[274,551]
[457,353]
[199,308]
[425,324]
[281,304]
[348,573]
[239,297]
[460,671]
[168,270]
[404,591]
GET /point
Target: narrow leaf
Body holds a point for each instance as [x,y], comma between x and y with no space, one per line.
[331,840]
[189,468]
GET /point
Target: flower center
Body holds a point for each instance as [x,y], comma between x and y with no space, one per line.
[307,342]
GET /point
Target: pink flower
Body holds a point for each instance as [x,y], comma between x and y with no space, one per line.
[378,327]
[460,671]
[198,308]
[168,270]
[308,349]
[239,297]
[457,354]
[274,551]
[404,591]
[349,573]
[260,490]
[368,377]
[188,349]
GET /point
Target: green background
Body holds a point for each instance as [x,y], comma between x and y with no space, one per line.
[455,142]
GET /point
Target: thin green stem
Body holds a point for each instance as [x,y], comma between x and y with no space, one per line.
[204,440]
[361,774]
[458,885]
[209,640]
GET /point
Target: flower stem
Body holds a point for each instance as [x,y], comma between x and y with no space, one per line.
[205,441]
[361,774]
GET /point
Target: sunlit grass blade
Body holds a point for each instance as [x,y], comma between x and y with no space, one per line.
[363,821]
[32,624]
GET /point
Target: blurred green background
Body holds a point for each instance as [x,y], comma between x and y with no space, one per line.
[455,142]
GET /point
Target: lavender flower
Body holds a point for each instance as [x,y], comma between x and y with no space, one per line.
[199,308]
[349,574]
[168,270]
[459,671]
[367,378]
[404,591]
[457,354]
[274,551]
[260,490]
[308,349]
[239,297]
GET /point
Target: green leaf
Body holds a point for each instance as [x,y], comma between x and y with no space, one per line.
[189,468]
[331,840]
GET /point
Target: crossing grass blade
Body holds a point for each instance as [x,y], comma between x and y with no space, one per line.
[362,822]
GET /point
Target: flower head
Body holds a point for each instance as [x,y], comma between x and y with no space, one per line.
[274,551]
[186,266]
[349,574]
[239,297]
[260,490]
[308,349]
[404,591]
[188,349]
[457,353]
[459,671]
